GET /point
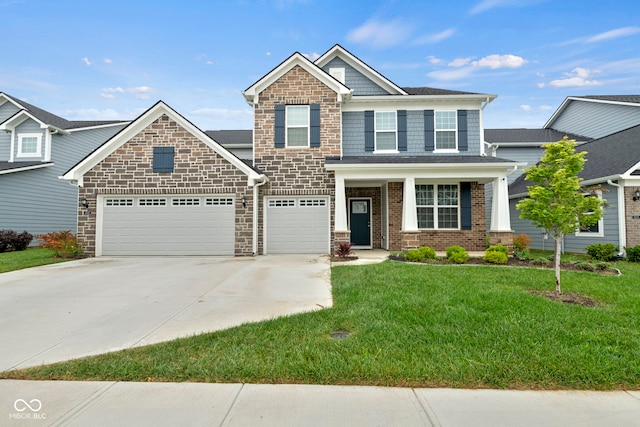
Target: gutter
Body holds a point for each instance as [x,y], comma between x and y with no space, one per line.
[622,226]
[263,179]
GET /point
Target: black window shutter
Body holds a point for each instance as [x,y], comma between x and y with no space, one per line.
[314,111]
[402,130]
[369,131]
[163,159]
[429,131]
[465,205]
[463,140]
[279,126]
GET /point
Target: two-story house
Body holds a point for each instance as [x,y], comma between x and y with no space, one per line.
[36,147]
[340,153]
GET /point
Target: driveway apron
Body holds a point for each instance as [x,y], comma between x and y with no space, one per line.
[63,311]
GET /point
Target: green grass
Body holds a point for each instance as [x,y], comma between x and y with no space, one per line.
[412,325]
[31,257]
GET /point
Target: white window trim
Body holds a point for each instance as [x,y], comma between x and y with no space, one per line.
[375,133]
[600,223]
[435,132]
[435,206]
[38,137]
[287,126]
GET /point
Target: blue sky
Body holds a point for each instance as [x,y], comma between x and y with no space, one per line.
[87,60]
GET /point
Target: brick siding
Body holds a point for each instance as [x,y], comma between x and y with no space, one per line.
[632,225]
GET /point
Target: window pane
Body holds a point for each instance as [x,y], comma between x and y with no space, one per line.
[448,195]
[425,218]
[424,195]
[386,141]
[297,137]
[297,115]
[386,121]
[29,144]
[445,140]
[446,120]
[447,217]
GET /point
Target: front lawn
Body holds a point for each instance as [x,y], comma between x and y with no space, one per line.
[413,325]
[31,257]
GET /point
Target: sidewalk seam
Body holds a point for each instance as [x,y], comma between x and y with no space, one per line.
[68,416]
[426,407]
[232,404]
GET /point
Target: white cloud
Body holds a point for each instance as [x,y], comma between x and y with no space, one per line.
[86,61]
[311,56]
[578,77]
[486,5]
[435,38]
[140,92]
[268,54]
[525,107]
[613,34]
[501,61]
[108,61]
[459,62]
[380,34]
[435,60]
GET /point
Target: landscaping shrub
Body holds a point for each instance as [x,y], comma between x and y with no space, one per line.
[64,243]
[427,252]
[602,266]
[541,261]
[457,254]
[499,248]
[12,241]
[602,251]
[344,249]
[495,257]
[421,254]
[633,254]
[521,246]
[586,266]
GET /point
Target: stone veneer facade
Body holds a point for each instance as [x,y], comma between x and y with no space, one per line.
[632,224]
[297,171]
[198,169]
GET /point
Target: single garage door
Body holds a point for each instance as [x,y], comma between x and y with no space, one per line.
[297,225]
[168,225]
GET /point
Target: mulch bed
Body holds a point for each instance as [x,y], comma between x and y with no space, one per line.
[568,298]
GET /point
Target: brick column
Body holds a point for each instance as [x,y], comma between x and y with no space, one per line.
[410,240]
[502,237]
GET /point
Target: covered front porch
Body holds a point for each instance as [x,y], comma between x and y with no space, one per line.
[400,206]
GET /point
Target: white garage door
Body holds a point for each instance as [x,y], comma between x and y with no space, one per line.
[168,225]
[297,225]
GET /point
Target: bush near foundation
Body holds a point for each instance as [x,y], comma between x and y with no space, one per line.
[602,251]
[633,254]
[12,241]
[64,243]
[457,254]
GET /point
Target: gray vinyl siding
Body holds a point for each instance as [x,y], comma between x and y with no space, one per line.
[6,110]
[32,127]
[36,200]
[355,80]
[353,135]
[531,155]
[572,242]
[595,120]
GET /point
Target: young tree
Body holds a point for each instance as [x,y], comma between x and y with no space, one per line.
[556,202]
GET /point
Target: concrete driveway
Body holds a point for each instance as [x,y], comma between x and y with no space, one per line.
[91,306]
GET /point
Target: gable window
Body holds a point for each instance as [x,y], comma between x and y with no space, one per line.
[29,145]
[386,137]
[597,229]
[445,127]
[297,117]
[163,159]
[438,206]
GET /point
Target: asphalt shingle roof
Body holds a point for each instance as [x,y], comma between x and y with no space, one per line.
[434,91]
[611,155]
[497,136]
[633,99]
[394,159]
[231,137]
[5,166]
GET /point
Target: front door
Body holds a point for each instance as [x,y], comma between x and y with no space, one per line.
[360,221]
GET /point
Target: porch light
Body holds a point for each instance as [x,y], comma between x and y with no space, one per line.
[84,202]
[244,202]
[636,195]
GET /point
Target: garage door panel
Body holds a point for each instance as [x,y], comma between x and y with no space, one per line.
[297,225]
[176,225]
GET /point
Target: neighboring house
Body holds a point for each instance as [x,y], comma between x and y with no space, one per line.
[36,147]
[340,153]
[238,142]
[612,170]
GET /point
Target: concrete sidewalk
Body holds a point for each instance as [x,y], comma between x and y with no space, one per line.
[192,404]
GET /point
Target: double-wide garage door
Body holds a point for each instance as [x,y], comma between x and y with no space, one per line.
[168,225]
[297,225]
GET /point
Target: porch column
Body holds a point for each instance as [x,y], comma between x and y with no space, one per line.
[341,205]
[500,220]
[409,211]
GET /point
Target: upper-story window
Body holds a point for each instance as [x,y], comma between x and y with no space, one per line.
[446,127]
[29,145]
[297,118]
[386,137]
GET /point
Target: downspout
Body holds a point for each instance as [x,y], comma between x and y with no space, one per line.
[622,225]
[263,180]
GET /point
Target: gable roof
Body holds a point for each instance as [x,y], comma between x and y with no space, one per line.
[231,137]
[47,119]
[296,59]
[361,66]
[10,167]
[527,137]
[632,100]
[147,118]
[611,157]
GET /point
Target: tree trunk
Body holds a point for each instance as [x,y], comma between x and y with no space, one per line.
[558,248]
